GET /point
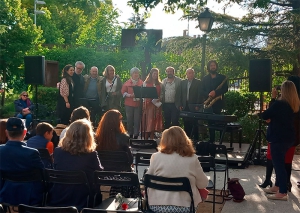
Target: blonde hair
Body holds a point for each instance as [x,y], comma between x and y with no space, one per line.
[105,72]
[174,139]
[79,138]
[23,93]
[290,95]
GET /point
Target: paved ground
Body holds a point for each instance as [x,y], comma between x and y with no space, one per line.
[255,200]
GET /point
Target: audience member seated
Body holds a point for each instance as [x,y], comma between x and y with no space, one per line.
[175,158]
[111,136]
[42,140]
[76,151]
[3,137]
[78,113]
[15,156]
[23,108]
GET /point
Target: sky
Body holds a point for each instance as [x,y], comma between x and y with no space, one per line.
[170,23]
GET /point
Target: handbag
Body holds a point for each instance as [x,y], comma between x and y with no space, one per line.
[235,190]
[203,194]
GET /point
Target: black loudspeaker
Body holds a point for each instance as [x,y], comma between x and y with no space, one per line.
[34,70]
[260,78]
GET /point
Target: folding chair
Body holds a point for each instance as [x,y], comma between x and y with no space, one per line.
[69,179]
[208,164]
[142,159]
[24,177]
[32,209]
[168,184]
[210,149]
[138,144]
[117,179]
[46,158]
[115,161]
[87,210]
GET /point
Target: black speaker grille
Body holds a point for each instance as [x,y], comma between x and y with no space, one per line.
[260,78]
[34,70]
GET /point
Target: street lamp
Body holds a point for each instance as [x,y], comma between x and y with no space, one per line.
[37,11]
[206,21]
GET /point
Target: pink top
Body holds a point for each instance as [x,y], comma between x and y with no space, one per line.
[64,88]
[127,88]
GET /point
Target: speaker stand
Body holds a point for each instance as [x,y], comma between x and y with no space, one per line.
[256,157]
[36,103]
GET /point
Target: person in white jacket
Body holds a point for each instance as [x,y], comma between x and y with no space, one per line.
[176,158]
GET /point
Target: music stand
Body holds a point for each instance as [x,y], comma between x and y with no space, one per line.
[144,92]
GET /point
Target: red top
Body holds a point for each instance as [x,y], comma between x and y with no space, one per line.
[128,88]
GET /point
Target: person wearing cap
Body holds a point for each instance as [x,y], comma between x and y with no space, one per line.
[15,156]
[132,103]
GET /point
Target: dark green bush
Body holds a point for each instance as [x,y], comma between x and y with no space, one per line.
[46,96]
[239,104]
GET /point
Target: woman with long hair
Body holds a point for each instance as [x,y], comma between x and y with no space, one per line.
[76,151]
[281,135]
[111,134]
[176,158]
[24,108]
[65,103]
[152,114]
[111,86]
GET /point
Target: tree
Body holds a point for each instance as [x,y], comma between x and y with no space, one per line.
[270,29]
[169,5]
[20,38]
[103,29]
[138,21]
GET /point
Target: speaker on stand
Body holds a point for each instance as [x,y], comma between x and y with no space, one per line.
[260,80]
[35,75]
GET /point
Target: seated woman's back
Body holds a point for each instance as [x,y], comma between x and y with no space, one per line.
[111,134]
[176,158]
[76,151]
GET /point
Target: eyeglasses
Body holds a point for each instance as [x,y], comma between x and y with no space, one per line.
[25,95]
[79,68]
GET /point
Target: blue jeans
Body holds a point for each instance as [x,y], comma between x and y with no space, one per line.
[278,151]
[28,118]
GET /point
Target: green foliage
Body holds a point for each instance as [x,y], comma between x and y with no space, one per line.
[169,5]
[103,29]
[239,104]
[20,38]
[46,96]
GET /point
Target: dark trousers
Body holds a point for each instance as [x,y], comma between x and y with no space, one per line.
[171,115]
[191,126]
[212,132]
[278,151]
[93,106]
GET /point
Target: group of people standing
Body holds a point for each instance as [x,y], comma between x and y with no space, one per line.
[92,91]
[147,115]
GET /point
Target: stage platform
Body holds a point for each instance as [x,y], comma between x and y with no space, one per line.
[238,157]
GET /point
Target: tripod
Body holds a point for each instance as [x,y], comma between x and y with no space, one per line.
[258,137]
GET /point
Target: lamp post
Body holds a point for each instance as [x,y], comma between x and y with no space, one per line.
[206,21]
[37,11]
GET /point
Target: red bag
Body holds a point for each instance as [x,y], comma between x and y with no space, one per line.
[203,194]
[236,189]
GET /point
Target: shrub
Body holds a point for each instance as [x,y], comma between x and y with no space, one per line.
[239,104]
